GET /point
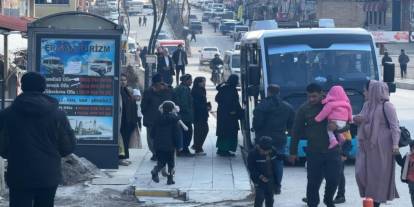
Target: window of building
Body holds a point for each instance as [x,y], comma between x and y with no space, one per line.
[52,1]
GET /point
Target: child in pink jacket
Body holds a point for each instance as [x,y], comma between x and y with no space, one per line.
[337,108]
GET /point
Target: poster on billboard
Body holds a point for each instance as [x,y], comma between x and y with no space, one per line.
[391,36]
[80,75]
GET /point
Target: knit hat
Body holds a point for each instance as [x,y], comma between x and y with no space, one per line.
[157,78]
[185,77]
[265,143]
[33,82]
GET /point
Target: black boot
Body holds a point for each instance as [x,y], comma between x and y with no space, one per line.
[170,180]
[170,177]
[154,174]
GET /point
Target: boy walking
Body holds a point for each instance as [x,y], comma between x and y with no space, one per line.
[407,169]
[167,135]
[261,163]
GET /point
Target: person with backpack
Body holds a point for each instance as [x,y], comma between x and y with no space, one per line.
[407,169]
[261,162]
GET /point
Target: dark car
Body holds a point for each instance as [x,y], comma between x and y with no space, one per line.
[196,26]
[192,17]
[206,16]
[227,27]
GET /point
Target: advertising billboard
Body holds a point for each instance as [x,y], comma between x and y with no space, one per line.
[80,75]
[391,36]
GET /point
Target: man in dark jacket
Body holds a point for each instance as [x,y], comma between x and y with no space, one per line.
[34,135]
[386,58]
[273,117]
[261,163]
[165,66]
[322,161]
[403,59]
[180,61]
[152,98]
[183,99]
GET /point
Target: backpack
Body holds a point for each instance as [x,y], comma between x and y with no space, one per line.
[405,136]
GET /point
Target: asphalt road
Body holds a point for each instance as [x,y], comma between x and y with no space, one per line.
[294,181]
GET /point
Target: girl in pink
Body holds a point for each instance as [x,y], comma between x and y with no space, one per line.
[337,108]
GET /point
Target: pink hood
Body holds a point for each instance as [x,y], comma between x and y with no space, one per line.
[336,106]
[336,94]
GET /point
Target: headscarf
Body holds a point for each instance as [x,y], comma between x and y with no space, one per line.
[378,93]
[197,90]
[233,80]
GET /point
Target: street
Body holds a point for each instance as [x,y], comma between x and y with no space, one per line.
[211,180]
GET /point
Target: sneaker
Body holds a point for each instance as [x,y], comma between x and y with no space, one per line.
[333,143]
[154,176]
[339,200]
[305,200]
[123,163]
[200,153]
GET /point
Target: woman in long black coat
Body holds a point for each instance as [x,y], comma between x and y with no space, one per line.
[201,108]
[229,112]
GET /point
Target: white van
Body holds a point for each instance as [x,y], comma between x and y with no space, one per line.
[231,63]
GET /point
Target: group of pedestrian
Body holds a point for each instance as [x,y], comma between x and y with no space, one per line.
[168,66]
[403,60]
[142,21]
[324,121]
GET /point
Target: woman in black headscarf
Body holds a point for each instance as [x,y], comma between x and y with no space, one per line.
[229,112]
[201,108]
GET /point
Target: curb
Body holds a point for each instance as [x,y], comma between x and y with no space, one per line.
[170,193]
[406,86]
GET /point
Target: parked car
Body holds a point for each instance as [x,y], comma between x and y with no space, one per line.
[206,16]
[207,54]
[192,17]
[237,29]
[264,25]
[227,15]
[196,26]
[231,63]
[227,27]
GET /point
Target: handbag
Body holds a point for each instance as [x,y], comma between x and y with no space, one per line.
[405,136]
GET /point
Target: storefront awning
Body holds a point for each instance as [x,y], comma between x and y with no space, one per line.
[12,23]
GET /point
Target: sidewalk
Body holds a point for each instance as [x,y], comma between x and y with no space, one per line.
[204,179]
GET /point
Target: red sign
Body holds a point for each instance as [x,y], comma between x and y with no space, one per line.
[391,36]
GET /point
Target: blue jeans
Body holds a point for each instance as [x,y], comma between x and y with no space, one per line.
[278,168]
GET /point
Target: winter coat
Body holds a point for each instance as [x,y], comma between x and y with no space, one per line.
[34,135]
[200,105]
[183,99]
[403,59]
[151,100]
[165,70]
[273,117]
[337,106]
[129,118]
[167,133]
[386,59]
[258,165]
[405,165]
[229,111]
[176,57]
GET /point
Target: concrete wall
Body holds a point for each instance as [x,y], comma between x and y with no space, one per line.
[346,13]
[42,10]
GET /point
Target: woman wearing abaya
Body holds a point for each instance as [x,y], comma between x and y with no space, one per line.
[378,137]
[229,113]
[201,108]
